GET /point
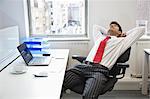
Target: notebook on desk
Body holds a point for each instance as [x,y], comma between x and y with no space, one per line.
[30,60]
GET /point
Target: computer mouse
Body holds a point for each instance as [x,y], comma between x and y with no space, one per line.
[41,74]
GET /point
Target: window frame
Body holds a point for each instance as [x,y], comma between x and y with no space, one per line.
[85,35]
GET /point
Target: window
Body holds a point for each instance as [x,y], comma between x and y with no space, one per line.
[57,17]
[143,11]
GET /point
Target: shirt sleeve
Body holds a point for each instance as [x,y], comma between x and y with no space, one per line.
[132,36]
[98,31]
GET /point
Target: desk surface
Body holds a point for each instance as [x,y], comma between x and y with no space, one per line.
[147,51]
[26,86]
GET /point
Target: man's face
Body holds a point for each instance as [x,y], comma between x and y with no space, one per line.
[114,26]
[114,30]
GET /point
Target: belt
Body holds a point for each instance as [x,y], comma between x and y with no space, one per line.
[89,63]
[95,64]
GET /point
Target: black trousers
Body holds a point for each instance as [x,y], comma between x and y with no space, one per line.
[86,79]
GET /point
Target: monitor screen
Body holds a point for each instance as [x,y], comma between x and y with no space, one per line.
[25,53]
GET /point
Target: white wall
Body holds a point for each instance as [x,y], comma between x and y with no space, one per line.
[0,19]
[102,12]
[12,13]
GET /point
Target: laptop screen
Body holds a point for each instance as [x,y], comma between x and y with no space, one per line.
[25,53]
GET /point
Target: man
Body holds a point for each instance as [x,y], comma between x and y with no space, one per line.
[93,74]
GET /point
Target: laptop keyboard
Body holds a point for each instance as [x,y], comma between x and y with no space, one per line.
[38,60]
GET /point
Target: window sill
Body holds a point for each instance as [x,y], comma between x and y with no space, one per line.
[69,39]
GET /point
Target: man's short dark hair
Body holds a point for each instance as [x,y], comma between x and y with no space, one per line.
[114,22]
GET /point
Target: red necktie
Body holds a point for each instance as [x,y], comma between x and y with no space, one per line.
[100,50]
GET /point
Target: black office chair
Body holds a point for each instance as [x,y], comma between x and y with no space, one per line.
[117,72]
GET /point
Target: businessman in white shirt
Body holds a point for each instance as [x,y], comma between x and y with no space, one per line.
[109,45]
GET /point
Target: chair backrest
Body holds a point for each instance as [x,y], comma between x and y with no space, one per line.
[122,59]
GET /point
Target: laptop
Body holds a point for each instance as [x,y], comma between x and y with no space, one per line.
[30,60]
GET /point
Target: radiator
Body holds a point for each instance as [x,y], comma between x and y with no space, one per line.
[139,58]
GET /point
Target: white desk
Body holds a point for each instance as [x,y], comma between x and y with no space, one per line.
[26,86]
[145,72]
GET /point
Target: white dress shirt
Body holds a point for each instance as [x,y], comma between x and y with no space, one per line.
[115,46]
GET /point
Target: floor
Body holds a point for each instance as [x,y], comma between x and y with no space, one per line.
[112,95]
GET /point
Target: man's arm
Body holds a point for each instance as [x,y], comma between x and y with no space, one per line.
[131,37]
[98,31]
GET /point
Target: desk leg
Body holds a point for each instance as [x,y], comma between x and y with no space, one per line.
[145,74]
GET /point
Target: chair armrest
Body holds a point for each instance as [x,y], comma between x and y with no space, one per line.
[79,58]
[123,65]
